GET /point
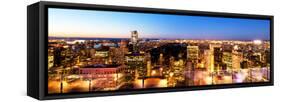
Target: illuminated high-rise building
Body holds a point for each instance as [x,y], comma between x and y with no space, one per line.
[178,69]
[101,56]
[217,53]
[134,37]
[102,53]
[134,41]
[161,59]
[209,60]
[50,58]
[192,53]
[135,59]
[136,63]
[148,68]
[148,64]
[237,57]
[124,50]
[189,73]
[227,59]
[115,56]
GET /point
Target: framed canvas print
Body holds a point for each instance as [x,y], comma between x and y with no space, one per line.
[83,50]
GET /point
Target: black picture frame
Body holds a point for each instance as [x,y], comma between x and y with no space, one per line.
[37,40]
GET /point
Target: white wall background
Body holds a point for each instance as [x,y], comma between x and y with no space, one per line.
[13,51]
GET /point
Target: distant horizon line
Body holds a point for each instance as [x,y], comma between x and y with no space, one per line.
[59,37]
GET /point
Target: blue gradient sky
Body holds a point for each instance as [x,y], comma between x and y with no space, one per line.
[90,23]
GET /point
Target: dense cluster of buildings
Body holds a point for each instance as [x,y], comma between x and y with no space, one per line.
[117,64]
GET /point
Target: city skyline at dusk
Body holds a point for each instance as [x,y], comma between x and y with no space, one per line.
[101,24]
[94,51]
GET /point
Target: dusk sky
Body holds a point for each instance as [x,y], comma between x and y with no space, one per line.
[106,24]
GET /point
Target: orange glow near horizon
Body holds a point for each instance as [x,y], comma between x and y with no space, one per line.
[88,35]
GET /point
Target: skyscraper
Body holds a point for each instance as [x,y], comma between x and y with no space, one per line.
[161,59]
[209,60]
[217,52]
[237,57]
[134,37]
[227,59]
[192,53]
[134,40]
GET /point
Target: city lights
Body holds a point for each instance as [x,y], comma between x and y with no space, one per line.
[258,42]
[133,66]
[144,55]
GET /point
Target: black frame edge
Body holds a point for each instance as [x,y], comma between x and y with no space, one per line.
[32,50]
